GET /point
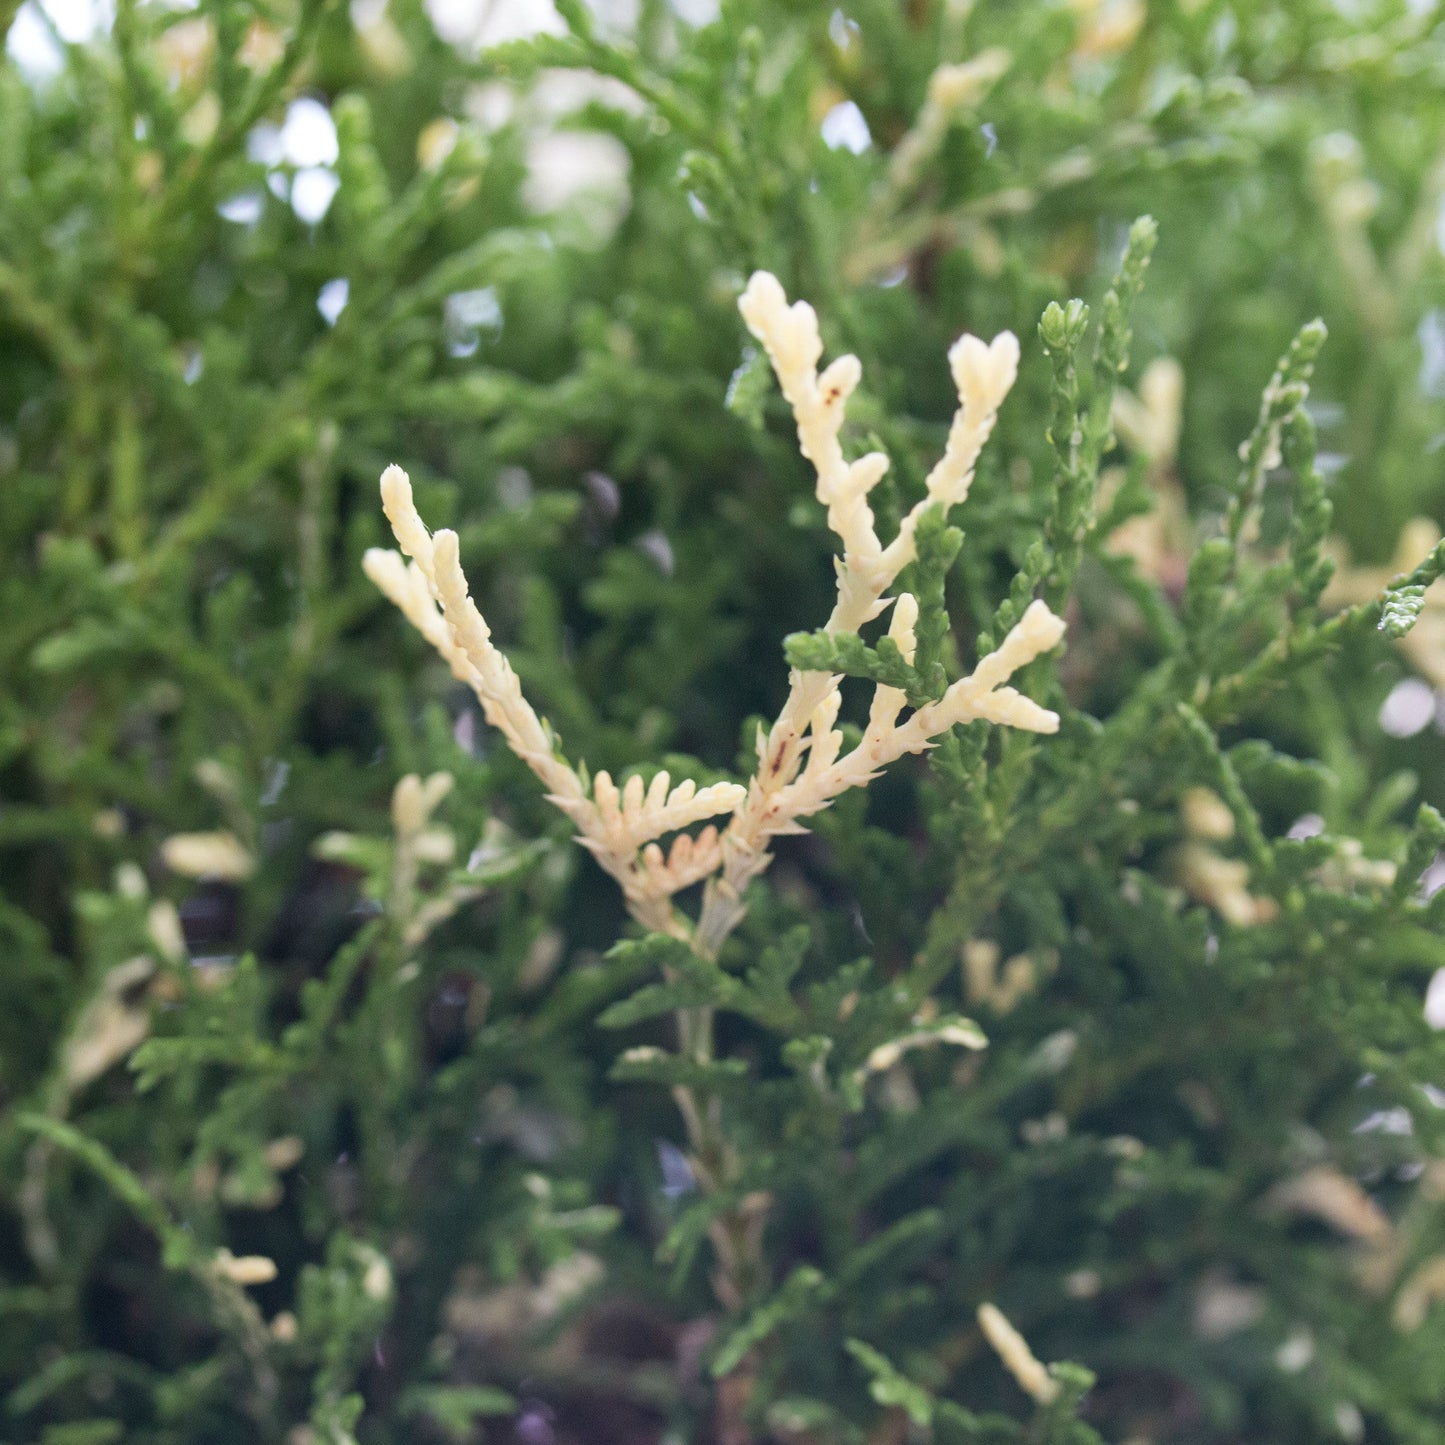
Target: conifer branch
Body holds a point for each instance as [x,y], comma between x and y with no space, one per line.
[801,766]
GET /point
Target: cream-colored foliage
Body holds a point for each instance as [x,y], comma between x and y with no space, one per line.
[110,1026]
[952,91]
[801,764]
[419,842]
[1011,1347]
[244,1269]
[1222,884]
[208,855]
[1206,815]
[1207,875]
[1424,1288]
[1324,1193]
[1001,988]
[1106,27]
[961,1033]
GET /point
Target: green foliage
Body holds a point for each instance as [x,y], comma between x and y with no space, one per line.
[1405,599]
[370,1131]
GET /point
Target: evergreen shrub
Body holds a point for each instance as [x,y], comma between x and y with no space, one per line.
[1081,1079]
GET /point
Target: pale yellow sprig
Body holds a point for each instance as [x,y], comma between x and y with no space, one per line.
[432,593]
[780,795]
[1106,27]
[1150,422]
[983,374]
[961,1033]
[244,1269]
[789,335]
[688,861]
[208,855]
[888,701]
[980,695]
[952,90]
[636,815]
[801,765]
[1011,1347]
[777,797]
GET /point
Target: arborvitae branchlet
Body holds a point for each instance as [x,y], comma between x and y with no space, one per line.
[343,1098]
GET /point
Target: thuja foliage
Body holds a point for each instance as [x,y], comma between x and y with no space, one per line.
[1072,1081]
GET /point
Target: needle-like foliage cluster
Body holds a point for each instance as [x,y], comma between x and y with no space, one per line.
[1059,1088]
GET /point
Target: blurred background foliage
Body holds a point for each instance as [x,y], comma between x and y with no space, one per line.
[306,1126]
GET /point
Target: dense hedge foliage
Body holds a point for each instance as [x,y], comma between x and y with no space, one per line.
[311,1128]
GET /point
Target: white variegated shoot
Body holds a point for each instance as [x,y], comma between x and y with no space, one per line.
[801,765]
[432,592]
[1033,1378]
